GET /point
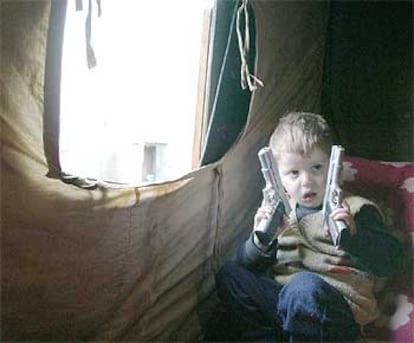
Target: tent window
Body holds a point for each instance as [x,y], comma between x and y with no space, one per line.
[132,119]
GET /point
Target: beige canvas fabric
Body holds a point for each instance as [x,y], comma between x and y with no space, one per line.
[133,264]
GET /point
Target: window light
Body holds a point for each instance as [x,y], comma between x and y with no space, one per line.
[131,118]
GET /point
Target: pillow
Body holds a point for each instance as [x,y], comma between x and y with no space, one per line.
[391,186]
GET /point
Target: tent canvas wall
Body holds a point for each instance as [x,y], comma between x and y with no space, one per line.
[138,264]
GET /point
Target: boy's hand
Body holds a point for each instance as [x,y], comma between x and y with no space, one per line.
[344,213]
[263,213]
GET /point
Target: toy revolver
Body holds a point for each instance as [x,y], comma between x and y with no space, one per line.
[333,195]
[273,196]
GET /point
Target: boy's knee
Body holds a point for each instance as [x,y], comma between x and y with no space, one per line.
[234,281]
[228,270]
[308,306]
[305,295]
[227,276]
[307,284]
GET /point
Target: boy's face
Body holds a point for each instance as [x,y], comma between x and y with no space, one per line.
[304,177]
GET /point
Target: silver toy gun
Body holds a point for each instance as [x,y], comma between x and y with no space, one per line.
[333,195]
[273,196]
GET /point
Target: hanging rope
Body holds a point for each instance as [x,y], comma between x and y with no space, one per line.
[247,79]
[90,53]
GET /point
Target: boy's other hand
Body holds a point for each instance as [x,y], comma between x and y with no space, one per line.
[344,213]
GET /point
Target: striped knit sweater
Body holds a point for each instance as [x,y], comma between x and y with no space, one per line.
[304,246]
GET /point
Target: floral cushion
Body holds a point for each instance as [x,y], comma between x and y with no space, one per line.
[391,186]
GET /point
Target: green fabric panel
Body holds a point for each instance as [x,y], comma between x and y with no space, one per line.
[51,123]
[229,102]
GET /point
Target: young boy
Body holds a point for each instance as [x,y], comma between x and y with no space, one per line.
[304,288]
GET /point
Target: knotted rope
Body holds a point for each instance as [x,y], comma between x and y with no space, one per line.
[247,79]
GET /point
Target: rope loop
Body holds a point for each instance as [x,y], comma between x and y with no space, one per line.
[247,79]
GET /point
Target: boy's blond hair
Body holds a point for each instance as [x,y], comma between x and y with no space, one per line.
[300,132]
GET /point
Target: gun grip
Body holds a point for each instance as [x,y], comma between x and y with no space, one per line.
[336,229]
[266,230]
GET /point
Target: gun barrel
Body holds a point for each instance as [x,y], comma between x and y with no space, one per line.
[333,194]
[273,195]
[270,173]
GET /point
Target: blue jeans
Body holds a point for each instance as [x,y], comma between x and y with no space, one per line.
[256,307]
